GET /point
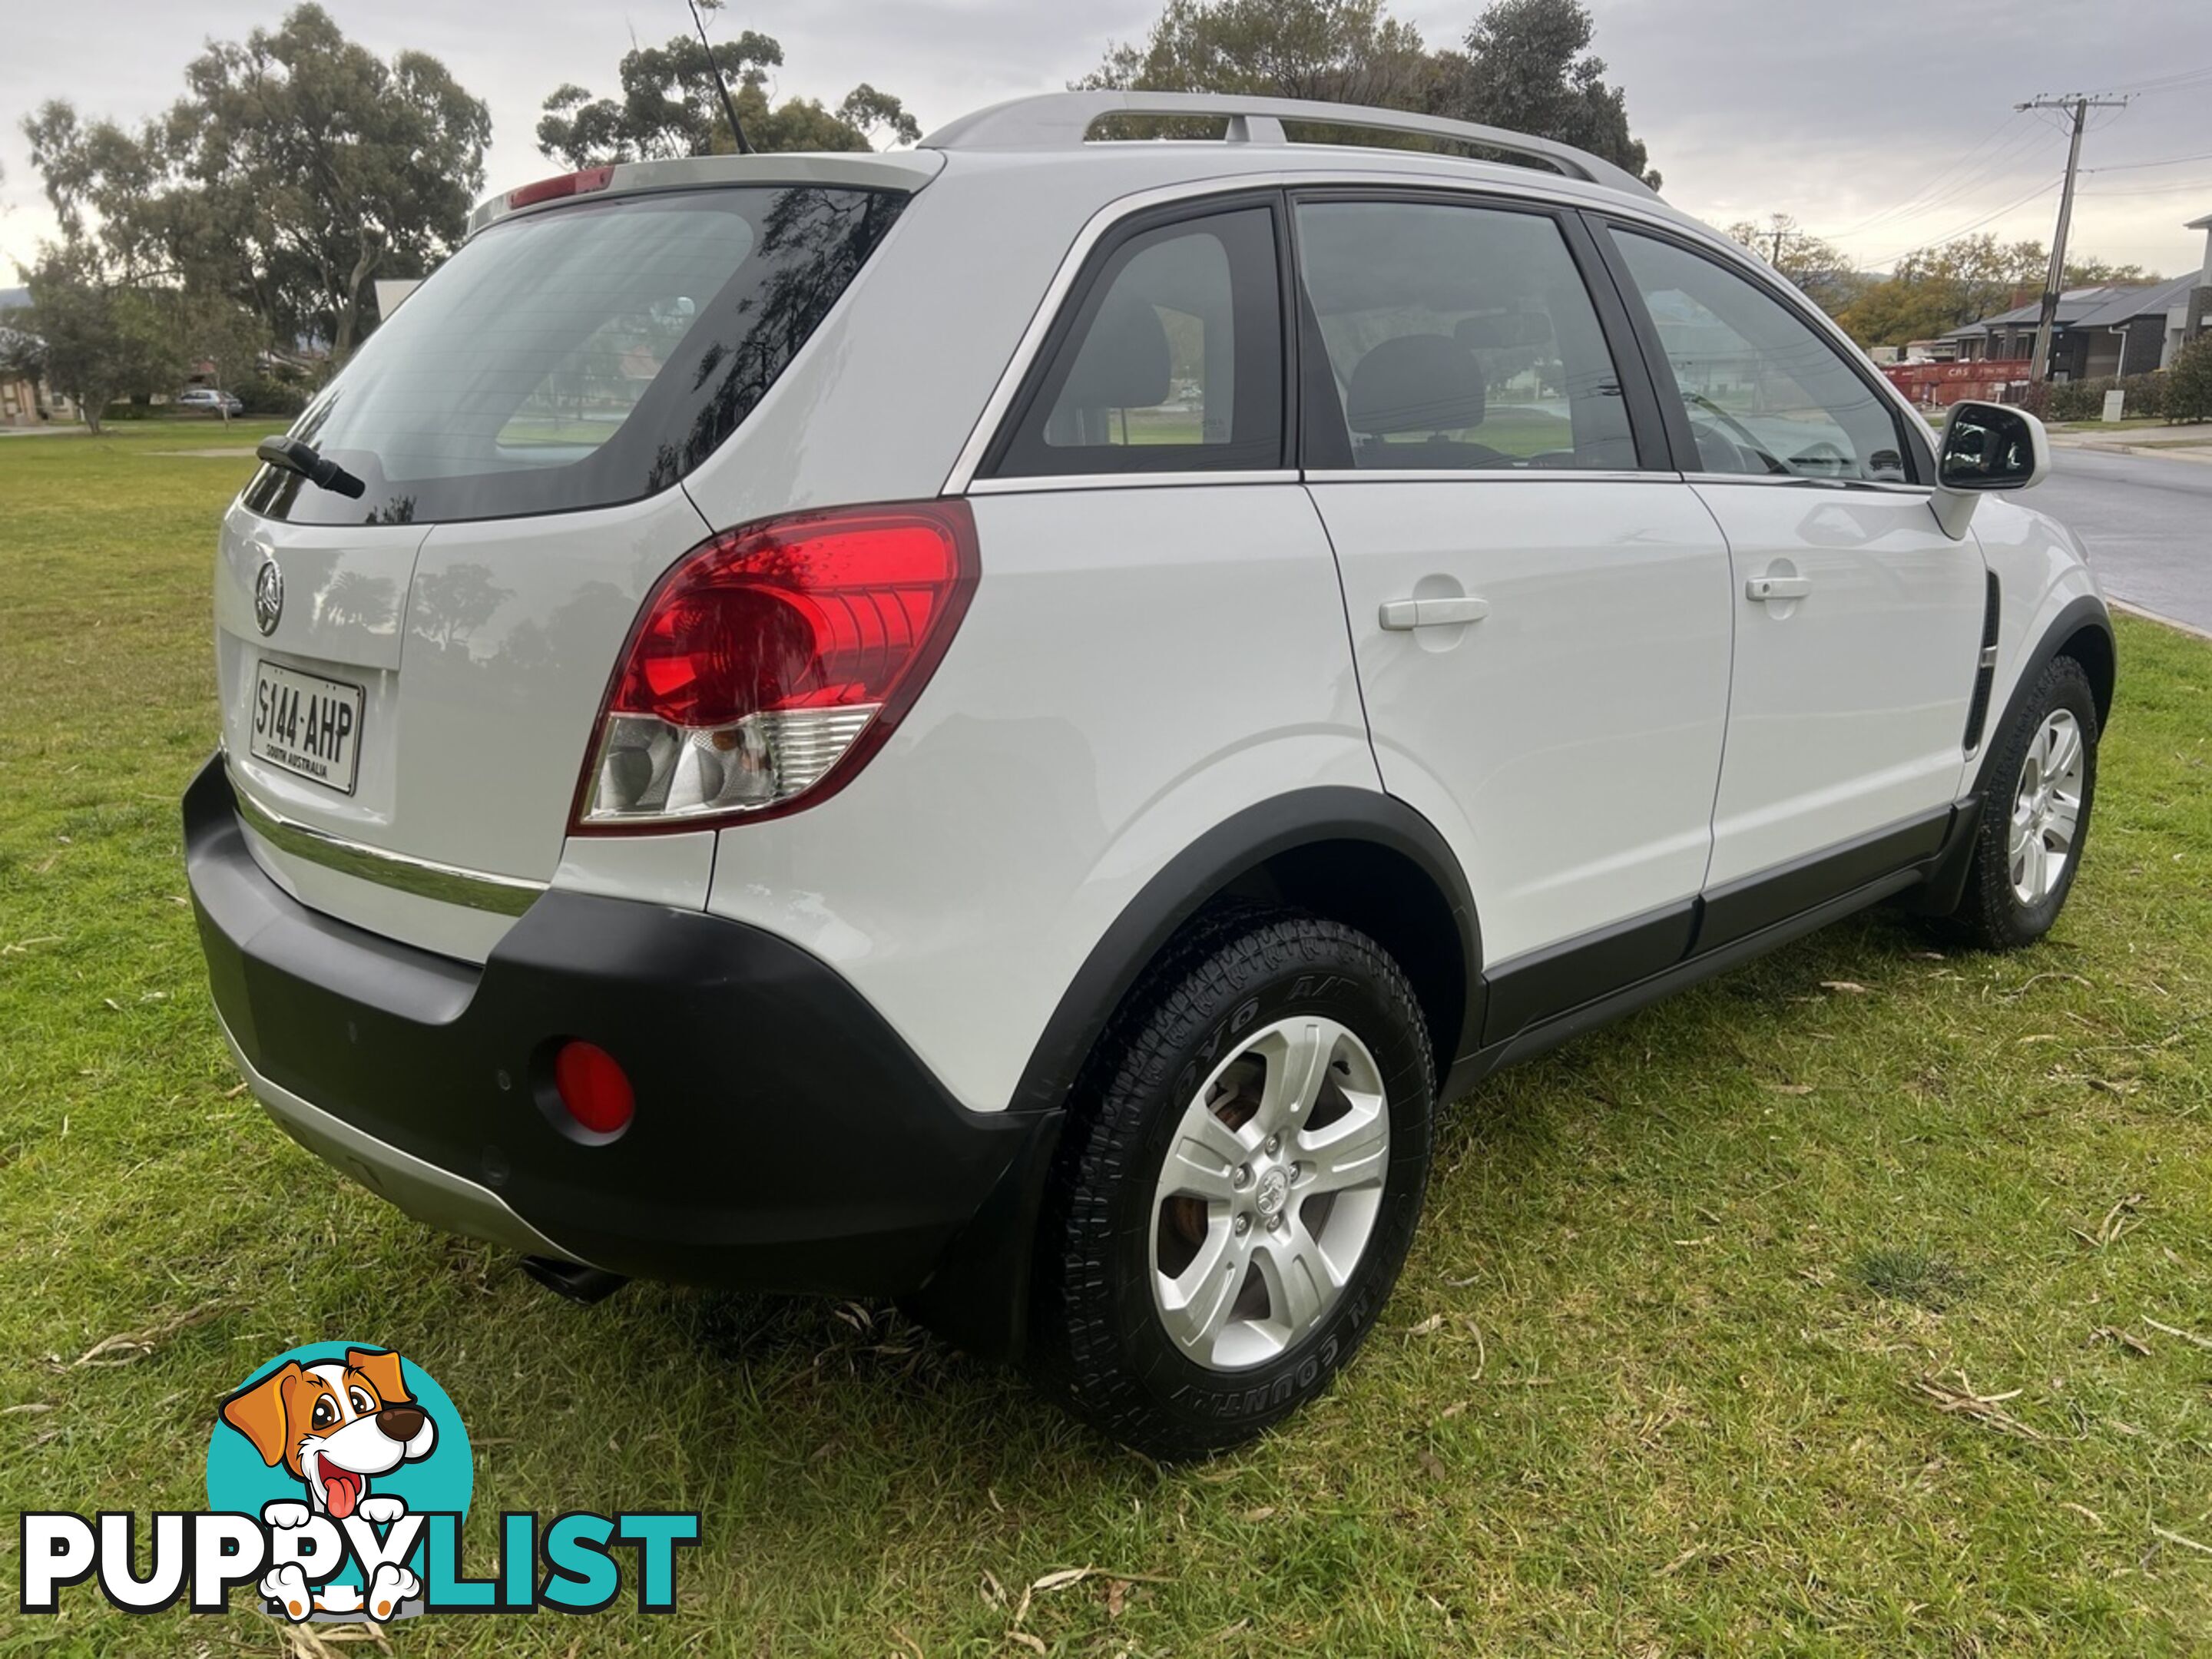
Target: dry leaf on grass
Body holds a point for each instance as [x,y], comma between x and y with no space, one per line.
[2186,1336]
[1850,986]
[1964,1401]
[2127,1340]
[1431,1465]
[1791,1088]
[2117,1221]
[2033,979]
[121,1350]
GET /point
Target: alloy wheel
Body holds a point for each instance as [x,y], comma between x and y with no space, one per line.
[1269,1192]
[2046,808]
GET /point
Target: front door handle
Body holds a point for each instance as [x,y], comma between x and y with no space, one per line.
[1764,588]
[1399,615]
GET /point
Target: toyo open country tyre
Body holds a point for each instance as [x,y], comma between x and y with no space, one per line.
[1239,1185]
[2035,819]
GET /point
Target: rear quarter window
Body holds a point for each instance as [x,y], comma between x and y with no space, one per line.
[583,357]
[1170,360]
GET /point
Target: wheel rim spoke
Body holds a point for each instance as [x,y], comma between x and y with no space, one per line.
[1205,1157]
[1298,1055]
[1195,1305]
[2065,814]
[2065,750]
[1352,1151]
[1298,1279]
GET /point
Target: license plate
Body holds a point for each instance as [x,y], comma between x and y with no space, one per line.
[307,726]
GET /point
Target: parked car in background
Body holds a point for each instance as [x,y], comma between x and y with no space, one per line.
[206,400]
[1002,724]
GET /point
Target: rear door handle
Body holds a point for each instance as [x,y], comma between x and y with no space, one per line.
[1399,615]
[1764,588]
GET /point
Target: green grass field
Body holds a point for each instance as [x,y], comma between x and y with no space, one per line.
[1859,1303]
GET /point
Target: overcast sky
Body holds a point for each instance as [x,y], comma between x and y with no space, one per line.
[1883,125]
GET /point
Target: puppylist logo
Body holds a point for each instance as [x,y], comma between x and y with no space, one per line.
[337,1479]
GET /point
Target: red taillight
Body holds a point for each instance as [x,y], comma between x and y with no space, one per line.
[565,183]
[773,659]
[594,1088]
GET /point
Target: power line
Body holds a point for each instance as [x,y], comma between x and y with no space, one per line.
[2165,83]
[1972,225]
[1943,179]
[2189,187]
[2132,166]
[2008,160]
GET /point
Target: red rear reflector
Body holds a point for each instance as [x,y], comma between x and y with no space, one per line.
[567,183]
[594,1088]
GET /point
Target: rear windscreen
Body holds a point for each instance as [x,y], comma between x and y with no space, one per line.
[581,357]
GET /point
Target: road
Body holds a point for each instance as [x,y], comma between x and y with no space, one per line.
[2147,521]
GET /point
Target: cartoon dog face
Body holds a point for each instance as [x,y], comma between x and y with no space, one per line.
[334,1426]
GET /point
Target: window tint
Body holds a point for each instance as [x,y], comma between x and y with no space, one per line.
[1174,362]
[580,357]
[1455,338]
[1764,394]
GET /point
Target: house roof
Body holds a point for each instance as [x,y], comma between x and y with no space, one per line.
[2107,305]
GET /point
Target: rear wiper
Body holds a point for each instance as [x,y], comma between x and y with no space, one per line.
[291,455]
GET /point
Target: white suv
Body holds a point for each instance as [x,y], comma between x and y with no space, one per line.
[1001,725]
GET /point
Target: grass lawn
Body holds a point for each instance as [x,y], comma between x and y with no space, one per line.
[1687,1359]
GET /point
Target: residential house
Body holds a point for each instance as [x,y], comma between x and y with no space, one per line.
[2113,328]
[19,395]
[2192,315]
[2110,328]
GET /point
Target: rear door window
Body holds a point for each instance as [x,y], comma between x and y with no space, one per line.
[1457,337]
[581,357]
[1170,361]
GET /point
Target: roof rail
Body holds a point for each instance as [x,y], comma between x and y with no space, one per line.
[1060,120]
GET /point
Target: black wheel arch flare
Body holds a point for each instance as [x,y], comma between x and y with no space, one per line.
[2082,630]
[1357,855]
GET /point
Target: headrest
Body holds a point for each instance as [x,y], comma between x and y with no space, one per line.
[1495,330]
[1124,360]
[1415,383]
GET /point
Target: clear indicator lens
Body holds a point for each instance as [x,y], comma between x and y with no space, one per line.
[649,769]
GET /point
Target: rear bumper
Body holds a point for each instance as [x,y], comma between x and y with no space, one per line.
[785,1137]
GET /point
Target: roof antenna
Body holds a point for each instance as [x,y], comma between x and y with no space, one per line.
[729,104]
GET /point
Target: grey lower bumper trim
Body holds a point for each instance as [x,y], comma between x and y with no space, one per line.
[433,1195]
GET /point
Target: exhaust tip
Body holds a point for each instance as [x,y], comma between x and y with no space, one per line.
[571,1280]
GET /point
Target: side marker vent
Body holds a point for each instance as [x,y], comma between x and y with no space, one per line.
[1985,675]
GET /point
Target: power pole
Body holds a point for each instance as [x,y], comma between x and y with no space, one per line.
[2054,283]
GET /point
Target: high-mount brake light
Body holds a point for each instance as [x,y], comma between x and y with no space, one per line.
[565,183]
[773,660]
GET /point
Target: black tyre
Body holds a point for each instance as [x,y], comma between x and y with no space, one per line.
[1243,1173]
[2042,783]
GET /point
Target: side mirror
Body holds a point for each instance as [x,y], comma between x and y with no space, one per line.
[1986,447]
